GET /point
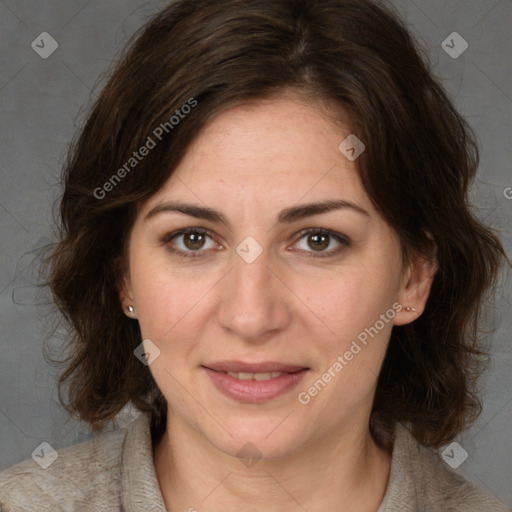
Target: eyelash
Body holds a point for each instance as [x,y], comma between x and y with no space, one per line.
[343,240]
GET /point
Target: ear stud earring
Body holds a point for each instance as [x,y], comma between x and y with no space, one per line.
[131,309]
[409,308]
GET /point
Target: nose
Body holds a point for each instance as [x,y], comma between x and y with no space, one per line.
[255,305]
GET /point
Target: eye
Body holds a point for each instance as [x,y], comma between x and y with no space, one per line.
[188,241]
[319,240]
[191,242]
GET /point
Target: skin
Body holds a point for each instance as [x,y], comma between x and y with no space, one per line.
[250,163]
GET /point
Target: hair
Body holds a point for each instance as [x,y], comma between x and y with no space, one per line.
[420,159]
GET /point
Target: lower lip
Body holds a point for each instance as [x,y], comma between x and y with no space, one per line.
[254,391]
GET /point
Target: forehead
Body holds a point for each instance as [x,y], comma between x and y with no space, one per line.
[279,149]
[249,135]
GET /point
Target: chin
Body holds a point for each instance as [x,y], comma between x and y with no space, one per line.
[257,438]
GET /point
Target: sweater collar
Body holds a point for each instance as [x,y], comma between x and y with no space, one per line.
[140,491]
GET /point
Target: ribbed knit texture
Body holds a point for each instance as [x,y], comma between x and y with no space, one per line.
[114,472]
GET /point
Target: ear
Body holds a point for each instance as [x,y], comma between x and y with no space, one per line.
[415,288]
[126,296]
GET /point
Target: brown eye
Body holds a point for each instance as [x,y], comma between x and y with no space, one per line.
[193,241]
[321,243]
[318,241]
[190,242]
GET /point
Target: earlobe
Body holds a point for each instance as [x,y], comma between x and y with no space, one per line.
[415,289]
[126,299]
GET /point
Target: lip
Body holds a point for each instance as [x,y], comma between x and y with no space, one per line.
[254,391]
[265,367]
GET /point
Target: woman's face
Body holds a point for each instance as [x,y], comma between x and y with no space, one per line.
[262,279]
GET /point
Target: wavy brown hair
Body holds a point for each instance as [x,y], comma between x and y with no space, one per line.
[420,159]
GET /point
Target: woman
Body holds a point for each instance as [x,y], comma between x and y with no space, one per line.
[267,249]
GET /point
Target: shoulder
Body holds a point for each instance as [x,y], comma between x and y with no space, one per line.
[85,476]
[421,480]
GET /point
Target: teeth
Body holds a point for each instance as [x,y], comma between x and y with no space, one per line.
[255,376]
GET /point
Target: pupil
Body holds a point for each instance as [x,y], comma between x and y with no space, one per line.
[319,241]
[194,240]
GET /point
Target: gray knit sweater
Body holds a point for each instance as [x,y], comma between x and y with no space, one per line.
[114,471]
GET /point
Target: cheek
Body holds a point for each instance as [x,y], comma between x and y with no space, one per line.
[351,343]
[348,300]
[170,303]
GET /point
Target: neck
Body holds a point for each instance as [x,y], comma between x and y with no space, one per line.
[346,471]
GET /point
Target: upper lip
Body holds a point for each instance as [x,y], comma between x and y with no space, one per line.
[265,367]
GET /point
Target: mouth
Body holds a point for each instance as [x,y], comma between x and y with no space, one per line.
[256,376]
[255,368]
[254,383]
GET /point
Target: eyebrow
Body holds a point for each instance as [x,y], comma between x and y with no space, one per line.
[286,216]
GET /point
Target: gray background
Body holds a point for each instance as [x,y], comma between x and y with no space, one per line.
[42,101]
